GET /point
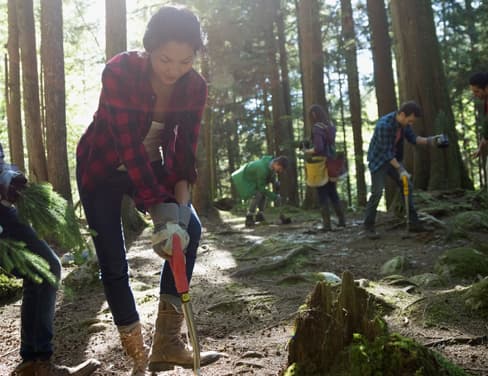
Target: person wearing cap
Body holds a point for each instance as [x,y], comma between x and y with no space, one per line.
[251,182]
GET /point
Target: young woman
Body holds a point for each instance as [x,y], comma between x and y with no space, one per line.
[142,142]
[323,138]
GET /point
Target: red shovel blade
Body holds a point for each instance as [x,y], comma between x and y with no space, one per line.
[178,266]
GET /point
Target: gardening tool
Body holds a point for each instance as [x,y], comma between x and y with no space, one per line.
[405,197]
[178,266]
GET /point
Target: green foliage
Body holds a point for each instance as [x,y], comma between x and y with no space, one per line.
[9,287]
[15,257]
[51,216]
[395,355]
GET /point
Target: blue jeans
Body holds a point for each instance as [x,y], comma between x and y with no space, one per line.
[377,186]
[38,300]
[328,192]
[103,214]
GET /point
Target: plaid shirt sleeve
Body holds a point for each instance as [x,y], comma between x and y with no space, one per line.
[188,106]
[382,146]
[122,117]
[410,135]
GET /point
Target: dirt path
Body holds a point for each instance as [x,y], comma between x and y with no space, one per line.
[246,315]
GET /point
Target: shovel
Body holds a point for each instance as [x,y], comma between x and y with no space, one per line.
[178,266]
[405,197]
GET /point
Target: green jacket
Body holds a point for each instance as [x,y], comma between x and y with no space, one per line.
[254,177]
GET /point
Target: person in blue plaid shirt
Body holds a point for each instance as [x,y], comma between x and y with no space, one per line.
[385,156]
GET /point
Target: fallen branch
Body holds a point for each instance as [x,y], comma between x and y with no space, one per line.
[473,341]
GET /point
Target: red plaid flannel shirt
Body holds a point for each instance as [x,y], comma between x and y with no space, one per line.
[122,121]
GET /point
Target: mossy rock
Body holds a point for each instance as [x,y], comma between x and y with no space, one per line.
[465,263]
[476,297]
[471,221]
[10,288]
[394,266]
[428,280]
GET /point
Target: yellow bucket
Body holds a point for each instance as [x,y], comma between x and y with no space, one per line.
[316,171]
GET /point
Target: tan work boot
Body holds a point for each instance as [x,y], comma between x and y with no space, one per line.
[46,368]
[133,344]
[168,350]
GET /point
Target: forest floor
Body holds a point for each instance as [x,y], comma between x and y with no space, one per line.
[246,311]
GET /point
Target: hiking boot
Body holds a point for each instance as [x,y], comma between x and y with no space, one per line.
[371,233]
[416,227]
[325,213]
[249,220]
[133,344]
[260,217]
[168,350]
[340,214]
[26,368]
[47,368]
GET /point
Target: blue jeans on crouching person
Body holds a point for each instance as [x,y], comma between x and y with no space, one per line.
[38,299]
[103,210]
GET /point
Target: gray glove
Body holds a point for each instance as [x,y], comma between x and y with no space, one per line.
[402,172]
[166,220]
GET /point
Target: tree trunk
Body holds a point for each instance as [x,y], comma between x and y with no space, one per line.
[281,120]
[312,69]
[115,27]
[14,120]
[52,55]
[115,42]
[354,96]
[382,61]
[204,189]
[289,185]
[30,85]
[383,72]
[422,79]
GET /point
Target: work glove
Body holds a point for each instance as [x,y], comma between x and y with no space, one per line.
[440,140]
[12,182]
[166,220]
[403,172]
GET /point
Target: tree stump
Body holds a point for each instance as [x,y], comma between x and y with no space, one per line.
[326,325]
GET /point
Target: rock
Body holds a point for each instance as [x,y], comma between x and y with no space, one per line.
[465,263]
[476,297]
[394,266]
[427,280]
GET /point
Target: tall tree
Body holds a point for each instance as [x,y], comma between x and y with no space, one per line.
[14,120]
[30,86]
[115,42]
[312,68]
[115,27]
[421,78]
[204,189]
[383,71]
[281,120]
[52,62]
[382,61]
[349,45]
